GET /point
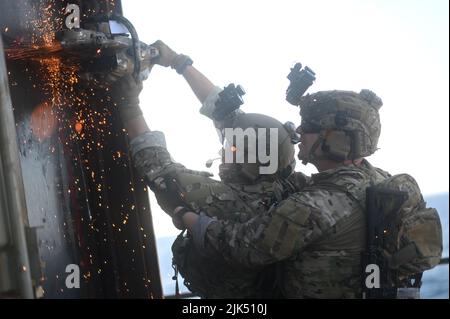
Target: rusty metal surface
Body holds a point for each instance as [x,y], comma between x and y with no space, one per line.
[85,205]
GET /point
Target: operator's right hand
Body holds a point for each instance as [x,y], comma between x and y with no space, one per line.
[166,55]
[177,217]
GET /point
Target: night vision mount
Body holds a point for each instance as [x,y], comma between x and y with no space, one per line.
[301,80]
[230,99]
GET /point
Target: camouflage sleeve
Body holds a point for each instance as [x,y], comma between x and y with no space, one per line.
[154,163]
[209,104]
[281,232]
[175,185]
[151,157]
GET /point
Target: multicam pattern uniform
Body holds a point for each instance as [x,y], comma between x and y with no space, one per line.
[315,237]
[174,185]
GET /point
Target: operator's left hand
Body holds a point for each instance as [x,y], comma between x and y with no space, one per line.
[125,92]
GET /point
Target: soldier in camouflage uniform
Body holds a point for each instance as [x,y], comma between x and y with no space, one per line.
[242,194]
[316,237]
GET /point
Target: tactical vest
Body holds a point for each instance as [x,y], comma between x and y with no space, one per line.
[331,265]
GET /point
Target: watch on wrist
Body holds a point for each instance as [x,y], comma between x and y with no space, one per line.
[181,63]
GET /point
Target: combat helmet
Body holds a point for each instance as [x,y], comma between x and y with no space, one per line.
[269,135]
[348,123]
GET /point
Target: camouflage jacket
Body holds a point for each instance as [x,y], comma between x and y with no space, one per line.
[315,238]
[174,185]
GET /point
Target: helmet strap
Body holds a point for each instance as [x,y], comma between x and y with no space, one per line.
[338,146]
[288,170]
[311,156]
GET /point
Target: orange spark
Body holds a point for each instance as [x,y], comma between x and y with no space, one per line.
[43,121]
[78,127]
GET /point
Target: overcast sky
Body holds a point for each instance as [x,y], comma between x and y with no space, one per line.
[397,48]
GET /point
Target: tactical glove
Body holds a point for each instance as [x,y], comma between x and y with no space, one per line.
[168,57]
[125,93]
[177,217]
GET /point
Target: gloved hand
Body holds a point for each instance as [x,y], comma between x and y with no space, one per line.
[125,93]
[177,217]
[167,57]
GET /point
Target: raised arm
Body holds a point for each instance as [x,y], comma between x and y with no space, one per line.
[147,148]
[125,93]
[205,91]
[199,83]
